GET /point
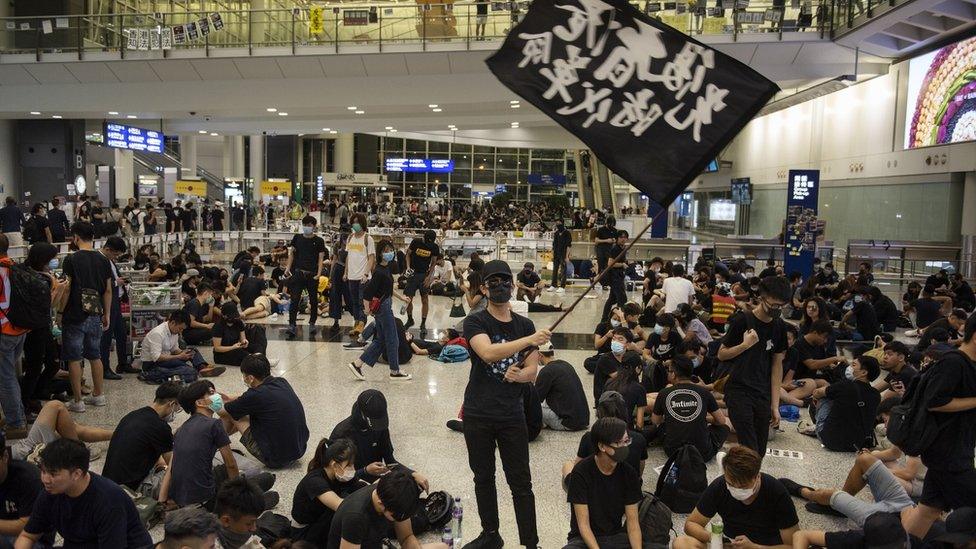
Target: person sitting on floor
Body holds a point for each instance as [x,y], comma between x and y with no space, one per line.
[55,422]
[603,492]
[239,504]
[689,413]
[862,320]
[230,343]
[269,415]
[162,357]
[201,312]
[86,509]
[331,477]
[528,283]
[899,372]
[611,404]
[879,530]
[564,406]
[618,357]
[756,509]
[143,442]
[20,485]
[189,528]
[813,362]
[846,409]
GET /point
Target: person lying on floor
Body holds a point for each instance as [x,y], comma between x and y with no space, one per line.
[55,422]
[434,348]
[879,530]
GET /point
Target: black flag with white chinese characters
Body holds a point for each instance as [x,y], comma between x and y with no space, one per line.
[655,105]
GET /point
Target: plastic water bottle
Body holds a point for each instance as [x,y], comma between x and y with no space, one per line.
[447,537]
[717,530]
[457,518]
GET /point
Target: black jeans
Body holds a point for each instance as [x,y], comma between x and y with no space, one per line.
[511,437]
[41,363]
[618,293]
[198,336]
[116,330]
[303,280]
[559,270]
[237,356]
[750,416]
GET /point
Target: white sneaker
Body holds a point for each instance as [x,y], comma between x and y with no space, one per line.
[273,317]
[274,362]
[560,290]
[95,453]
[96,400]
[76,406]
[913,333]
[550,289]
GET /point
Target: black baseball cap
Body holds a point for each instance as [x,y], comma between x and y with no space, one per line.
[372,406]
[496,267]
[884,531]
[960,527]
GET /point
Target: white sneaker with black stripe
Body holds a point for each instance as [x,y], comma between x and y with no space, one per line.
[356,371]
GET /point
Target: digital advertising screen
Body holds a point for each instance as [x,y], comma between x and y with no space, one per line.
[721,210]
[121,136]
[941,96]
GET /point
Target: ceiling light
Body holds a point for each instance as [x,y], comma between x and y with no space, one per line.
[437,110]
[515,105]
[333,132]
[202,131]
[326,129]
[432,106]
[57,116]
[360,112]
[213,134]
[388,128]
[271,109]
[35,113]
[282,114]
[353,108]
[393,131]
[113,113]
[131,116]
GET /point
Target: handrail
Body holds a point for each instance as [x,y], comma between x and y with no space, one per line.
[374,24]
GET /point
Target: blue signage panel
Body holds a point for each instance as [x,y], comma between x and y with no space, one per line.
[121,136]
[685,203]
[742,191]
[419,165]
[554,179]
[802,226]
[659,223]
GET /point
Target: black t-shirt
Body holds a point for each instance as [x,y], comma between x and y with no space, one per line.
[528,278]
[137,443]
[927,310]
[605,496]
[953,376]
[926,340]
[761,520]
[964,296]
[277,420]
[38,235]
[102,516]
[604,327]
[307,250]
[19,490]
[866,320]
[901,381]
[886,311]
[753,368]
[806,351]
[306,508]
[250,290]
[380,284]
[197,310]
[488,395]
[88,270]
[357,522]
[661,349]
[228,334]
[608,364]
[634,396]
[636,454]
[685,407]
[603,233]
[850,420]
[560,388]
[421,255]
[482,8]
[618,272]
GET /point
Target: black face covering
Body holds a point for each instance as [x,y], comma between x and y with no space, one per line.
[773,312]
[500,293]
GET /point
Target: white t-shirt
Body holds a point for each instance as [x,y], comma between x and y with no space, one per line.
[677,290]
[159,341]
[358,250]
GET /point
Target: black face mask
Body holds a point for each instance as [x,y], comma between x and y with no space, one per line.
[500,293]
[773,312]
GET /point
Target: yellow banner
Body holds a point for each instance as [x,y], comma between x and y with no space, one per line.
[275,188]
[196,188]
[316,20]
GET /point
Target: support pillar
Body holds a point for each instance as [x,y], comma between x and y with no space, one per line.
[967,229]
[259,22]
[256,163]
[124,175]
[344,151]
[188,156]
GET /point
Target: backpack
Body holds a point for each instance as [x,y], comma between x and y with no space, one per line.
[452,353]
[655,522]
[682,480]
[150,512]
[31,232]
[30,298]
[911,427]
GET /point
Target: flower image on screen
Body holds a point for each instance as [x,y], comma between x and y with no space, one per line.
[942,96]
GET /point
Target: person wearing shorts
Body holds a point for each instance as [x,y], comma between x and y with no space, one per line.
[421,257]
[52,423]
[481,19]
[889,495]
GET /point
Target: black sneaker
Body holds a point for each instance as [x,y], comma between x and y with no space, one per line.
[793,487]
[354,345]
[455,425]
[487,540]
[291,332]
[271,499]
[400,376]
[408,323]
[109,374]
[815,507]
[335,326]
[313,329]
[356,371]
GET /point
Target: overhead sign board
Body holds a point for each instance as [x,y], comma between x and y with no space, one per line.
[419,165]
[136,139]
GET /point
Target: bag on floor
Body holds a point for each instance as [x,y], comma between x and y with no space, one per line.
[452,353]
[682,480]
[271,527]
[457,310]
[655,522]
[150,512]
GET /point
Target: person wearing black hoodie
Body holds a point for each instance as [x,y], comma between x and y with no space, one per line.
[368,427]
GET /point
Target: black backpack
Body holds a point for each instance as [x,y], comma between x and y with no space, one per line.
[911,427]
[682,480]
[655,522]
[30,298]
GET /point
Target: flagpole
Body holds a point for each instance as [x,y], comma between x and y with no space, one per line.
[609,266]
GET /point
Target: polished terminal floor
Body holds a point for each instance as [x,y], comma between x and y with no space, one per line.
[316,367]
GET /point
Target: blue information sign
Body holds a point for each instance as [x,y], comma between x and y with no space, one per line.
[419,165]
[554,179]
[802,226]
[137,139]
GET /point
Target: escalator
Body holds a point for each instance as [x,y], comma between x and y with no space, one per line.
[155,163]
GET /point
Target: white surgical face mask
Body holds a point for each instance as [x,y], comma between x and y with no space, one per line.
[741,494]
[347,475]
[849,372]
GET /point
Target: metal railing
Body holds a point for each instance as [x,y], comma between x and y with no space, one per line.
[335,26]
[850,14]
